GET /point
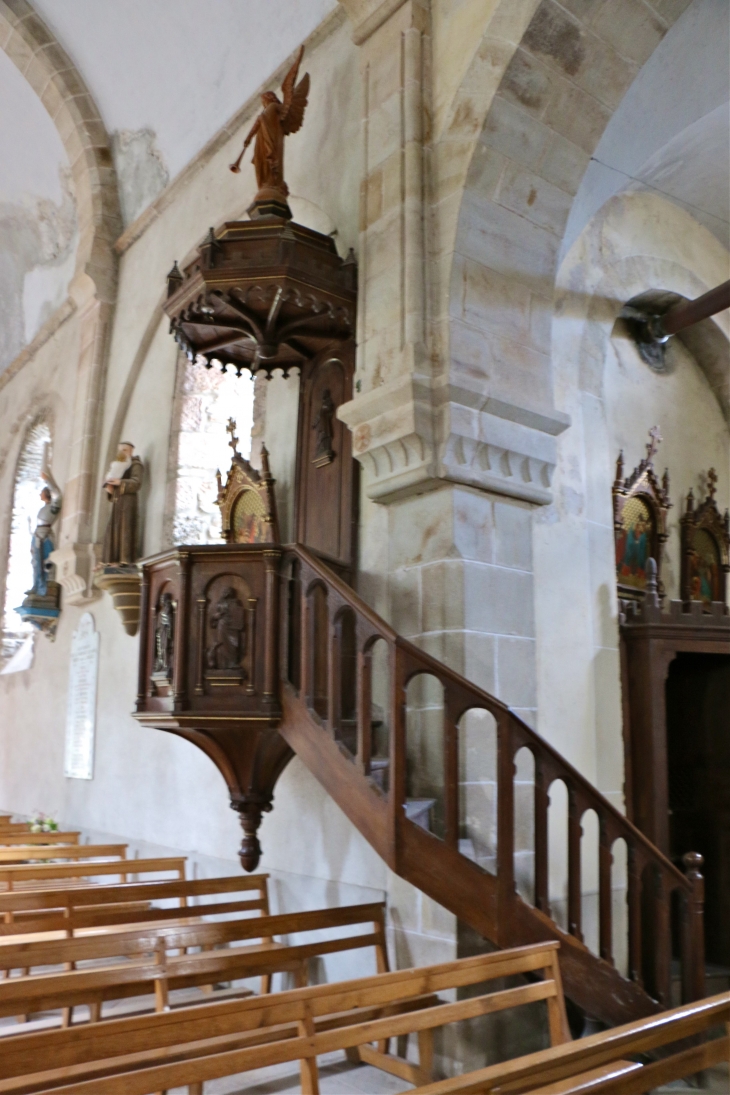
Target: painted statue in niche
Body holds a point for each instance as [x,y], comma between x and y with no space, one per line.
[633,543]
[275,122]
[704,569]
[122,484]
[705,548]
[229,621]
[248,518]
[164,637]
[42,542]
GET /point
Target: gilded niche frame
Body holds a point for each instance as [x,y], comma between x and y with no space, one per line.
[247,502]
[705,548]
[640,507]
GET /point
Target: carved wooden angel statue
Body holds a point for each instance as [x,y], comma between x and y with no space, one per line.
[275,122]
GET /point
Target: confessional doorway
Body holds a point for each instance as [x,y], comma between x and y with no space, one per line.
[698,768]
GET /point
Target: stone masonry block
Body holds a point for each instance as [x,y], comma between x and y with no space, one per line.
[421,529]
[479,660]
[405,601]
[564,164]
[532,197]
[477,747]
[516,672]
[511,130]
[498,601]
[513,534]
[505,241]
[578,116]
[605,73]
[473,526]
[526,82]
[631,27]
[443,605]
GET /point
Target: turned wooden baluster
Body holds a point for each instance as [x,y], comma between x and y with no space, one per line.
[397,774]
[365,709]
[334,673]
[505,827]
[306,659]
[451,769]
[634,902]
[575,832]
[542,802]
[605,912]
[693,930]
[662,940]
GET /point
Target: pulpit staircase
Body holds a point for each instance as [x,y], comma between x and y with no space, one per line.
[327,640]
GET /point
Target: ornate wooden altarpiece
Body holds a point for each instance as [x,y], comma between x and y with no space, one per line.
[640,507]
[705,545]
[262,295]
[650,638]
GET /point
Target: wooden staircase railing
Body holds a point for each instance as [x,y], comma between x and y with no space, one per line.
[328,636]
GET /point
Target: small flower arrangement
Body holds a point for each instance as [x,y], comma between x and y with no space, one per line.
[42,823]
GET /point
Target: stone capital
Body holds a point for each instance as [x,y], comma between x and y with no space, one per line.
[411,435]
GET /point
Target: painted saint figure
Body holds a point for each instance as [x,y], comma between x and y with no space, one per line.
[230,640]
[275,122]
[122,483]
[164,636]
[42,543]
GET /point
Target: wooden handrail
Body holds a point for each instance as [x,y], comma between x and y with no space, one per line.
[652,877]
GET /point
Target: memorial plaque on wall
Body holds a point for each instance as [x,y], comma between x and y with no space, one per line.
[81,710]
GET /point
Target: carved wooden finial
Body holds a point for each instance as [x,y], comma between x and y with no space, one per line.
[665,483]
[651,581]
[656,439]
[711,483]
[690,500]
[265,469]
[619,468]
[231,429]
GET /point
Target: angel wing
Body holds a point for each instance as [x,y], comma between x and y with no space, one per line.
[294,97]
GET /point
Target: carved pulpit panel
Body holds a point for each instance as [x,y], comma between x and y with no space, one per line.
[247,502]
[705,548]
[326,473]
[640,507]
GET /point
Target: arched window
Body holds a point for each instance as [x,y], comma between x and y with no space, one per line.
[204,401]
[26,503]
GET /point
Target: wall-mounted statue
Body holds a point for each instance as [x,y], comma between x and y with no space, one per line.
[275,122]
[324,425]
[43,541]
[122,483]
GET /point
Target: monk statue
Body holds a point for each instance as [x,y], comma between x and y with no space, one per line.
[122,483]
[275,122]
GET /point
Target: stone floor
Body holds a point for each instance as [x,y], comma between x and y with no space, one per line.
[336,1077]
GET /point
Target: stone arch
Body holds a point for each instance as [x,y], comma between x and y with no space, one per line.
[46,66]
[50,72]
[529,150]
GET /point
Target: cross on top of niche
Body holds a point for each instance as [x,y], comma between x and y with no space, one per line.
[656,439]
[712,482]
[231,429]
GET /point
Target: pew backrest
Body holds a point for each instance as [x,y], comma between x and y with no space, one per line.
[161,1051]
[24,853]
[18,876]
[71,910]
[26,838]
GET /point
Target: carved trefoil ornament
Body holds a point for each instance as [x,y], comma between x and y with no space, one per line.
[640,507]
[705,548]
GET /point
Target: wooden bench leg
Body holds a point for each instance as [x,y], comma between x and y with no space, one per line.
[95,1012]
[265,984]
[425,1056]
[196,1088]
[67,1015]
[308,1067]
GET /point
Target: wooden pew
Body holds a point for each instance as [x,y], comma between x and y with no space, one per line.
[29,875]
[152,968]
[596,1063]
[27,838]
[26,853]
[68,911]
[160,1051]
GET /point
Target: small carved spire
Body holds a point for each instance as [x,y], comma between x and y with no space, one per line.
[690,501]
[174,279]
[711,483]
[265,469]
[665,483]
[619,469]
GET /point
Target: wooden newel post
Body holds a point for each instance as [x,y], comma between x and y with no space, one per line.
[693,971]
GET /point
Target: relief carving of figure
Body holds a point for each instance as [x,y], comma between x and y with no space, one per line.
[229,622]
[324,425]
[122,483]
[275,122]
[164,636]
[43,543]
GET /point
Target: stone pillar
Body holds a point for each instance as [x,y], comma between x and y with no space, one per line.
[74,557]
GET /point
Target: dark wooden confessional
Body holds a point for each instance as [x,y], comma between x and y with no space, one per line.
[675,668]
